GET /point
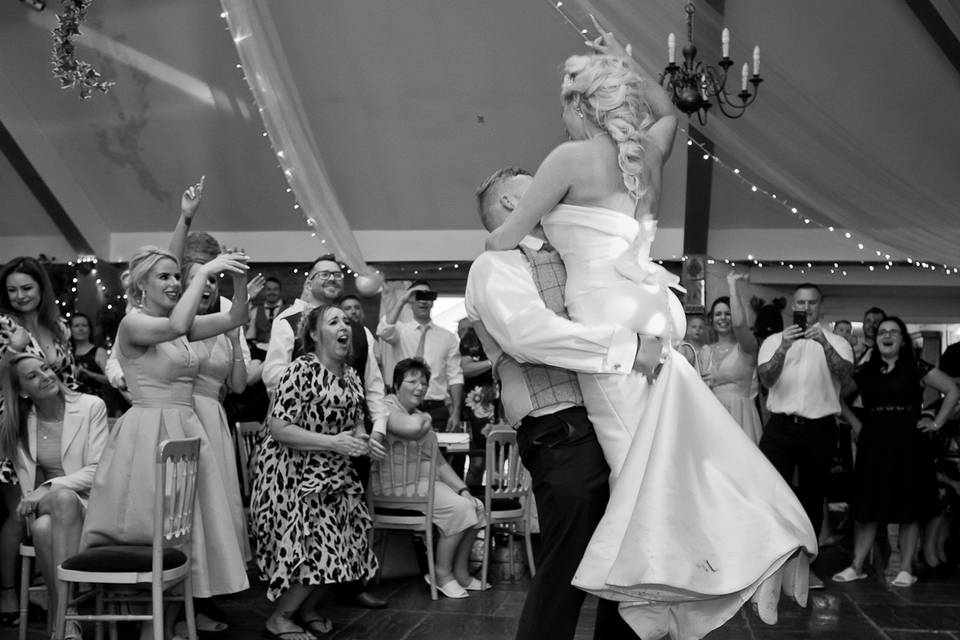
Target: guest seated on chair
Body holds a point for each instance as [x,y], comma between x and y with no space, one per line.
[309,512]
[456,512]
[55,437]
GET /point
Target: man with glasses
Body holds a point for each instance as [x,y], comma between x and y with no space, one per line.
[324,285]
[804,367]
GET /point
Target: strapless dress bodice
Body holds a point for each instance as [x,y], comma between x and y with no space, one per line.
[610,277]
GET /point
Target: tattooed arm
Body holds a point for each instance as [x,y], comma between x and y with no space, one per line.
[769,370]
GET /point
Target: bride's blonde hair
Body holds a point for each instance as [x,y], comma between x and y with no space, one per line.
[610,95]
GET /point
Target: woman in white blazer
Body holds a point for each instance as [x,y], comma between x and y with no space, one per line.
[55,437]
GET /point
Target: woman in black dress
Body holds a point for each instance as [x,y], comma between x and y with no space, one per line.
[894,477]
[91,360]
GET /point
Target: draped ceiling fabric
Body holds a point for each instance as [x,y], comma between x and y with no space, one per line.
[848,134]
[407,105]
[265,65]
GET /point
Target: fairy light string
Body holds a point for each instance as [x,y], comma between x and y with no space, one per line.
[879,257]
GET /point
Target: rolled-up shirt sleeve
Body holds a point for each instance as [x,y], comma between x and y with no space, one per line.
[502,295]
[279,353]
[374,389]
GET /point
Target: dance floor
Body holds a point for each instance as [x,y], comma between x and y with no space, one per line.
[929,610]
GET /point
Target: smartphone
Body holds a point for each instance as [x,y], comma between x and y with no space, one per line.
[425,295]
[800,319]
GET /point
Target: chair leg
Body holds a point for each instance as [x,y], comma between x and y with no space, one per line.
[487,550]
[431,565]
[510,549]
[99,627]
[156,598]
[188,612]
[63,595]
[26,569]
[529,545]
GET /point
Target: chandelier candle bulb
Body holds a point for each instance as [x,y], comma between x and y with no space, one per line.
[671,48]
[746,72]
[725,40]
[756,60]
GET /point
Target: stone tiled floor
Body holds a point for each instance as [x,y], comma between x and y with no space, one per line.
[930,610]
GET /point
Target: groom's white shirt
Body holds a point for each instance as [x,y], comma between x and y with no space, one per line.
[502,295]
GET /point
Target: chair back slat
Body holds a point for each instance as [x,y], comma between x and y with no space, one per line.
[404,475]
[176,491]
[506,475]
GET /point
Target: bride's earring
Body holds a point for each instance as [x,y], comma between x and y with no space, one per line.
[579,112]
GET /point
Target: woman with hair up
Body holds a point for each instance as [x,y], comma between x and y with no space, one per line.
[29,323]
[309,513]
[160,368]
[698,521]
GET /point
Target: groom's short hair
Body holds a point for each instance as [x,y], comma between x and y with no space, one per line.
[483,192]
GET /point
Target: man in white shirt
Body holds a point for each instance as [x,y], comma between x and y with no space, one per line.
[324,285]
[262,316]
[438,347]
[515,302]
[804,367]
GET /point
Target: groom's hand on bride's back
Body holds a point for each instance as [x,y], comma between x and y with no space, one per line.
[649,355]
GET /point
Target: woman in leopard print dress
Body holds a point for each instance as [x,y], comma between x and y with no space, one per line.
[309,512]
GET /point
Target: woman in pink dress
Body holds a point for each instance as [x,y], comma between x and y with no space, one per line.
[729,365]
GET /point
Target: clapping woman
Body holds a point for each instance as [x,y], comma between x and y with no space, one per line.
[160,367]
[309,513]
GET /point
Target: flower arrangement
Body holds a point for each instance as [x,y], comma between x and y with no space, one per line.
[66,68]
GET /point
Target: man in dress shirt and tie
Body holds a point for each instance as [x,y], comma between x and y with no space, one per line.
[804,367]
[438,347]
[515,302]
[324,285]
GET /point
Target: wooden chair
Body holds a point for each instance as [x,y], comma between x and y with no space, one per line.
[163,564]
[506,497]
[27,554]
[401,493]
[247,437]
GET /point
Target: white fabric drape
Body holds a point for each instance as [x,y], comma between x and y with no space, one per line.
[260,49]
[855,141]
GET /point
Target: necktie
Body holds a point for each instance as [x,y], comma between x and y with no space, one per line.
[423,328]
[271,311]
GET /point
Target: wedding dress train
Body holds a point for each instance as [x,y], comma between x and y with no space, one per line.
[698,518]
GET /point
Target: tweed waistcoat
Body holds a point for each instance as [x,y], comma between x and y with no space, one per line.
[526,387]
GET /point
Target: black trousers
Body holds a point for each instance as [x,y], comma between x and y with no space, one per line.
[571,485]
[807,447]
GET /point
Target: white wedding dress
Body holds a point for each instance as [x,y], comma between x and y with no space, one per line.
[698,518]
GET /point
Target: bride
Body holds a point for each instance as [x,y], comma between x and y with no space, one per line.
[698,521]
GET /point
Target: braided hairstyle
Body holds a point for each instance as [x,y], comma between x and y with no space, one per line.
[610,95]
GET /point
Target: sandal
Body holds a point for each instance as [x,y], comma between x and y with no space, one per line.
[903,579]
[72,631]
[319,626]
[849,575]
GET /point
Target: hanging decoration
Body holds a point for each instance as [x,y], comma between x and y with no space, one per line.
[66,68]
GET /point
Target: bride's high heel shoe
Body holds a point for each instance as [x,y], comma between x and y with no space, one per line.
[767,597]
[796,578]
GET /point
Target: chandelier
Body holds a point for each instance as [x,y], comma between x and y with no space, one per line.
[694,86]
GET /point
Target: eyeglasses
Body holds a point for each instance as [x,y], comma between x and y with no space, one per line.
[889,332]
[327,275]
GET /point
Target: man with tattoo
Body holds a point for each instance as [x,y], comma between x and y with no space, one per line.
[804,367]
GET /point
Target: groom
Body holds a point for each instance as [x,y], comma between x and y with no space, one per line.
[515,301]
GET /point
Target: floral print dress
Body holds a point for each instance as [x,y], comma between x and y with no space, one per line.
[309,512]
